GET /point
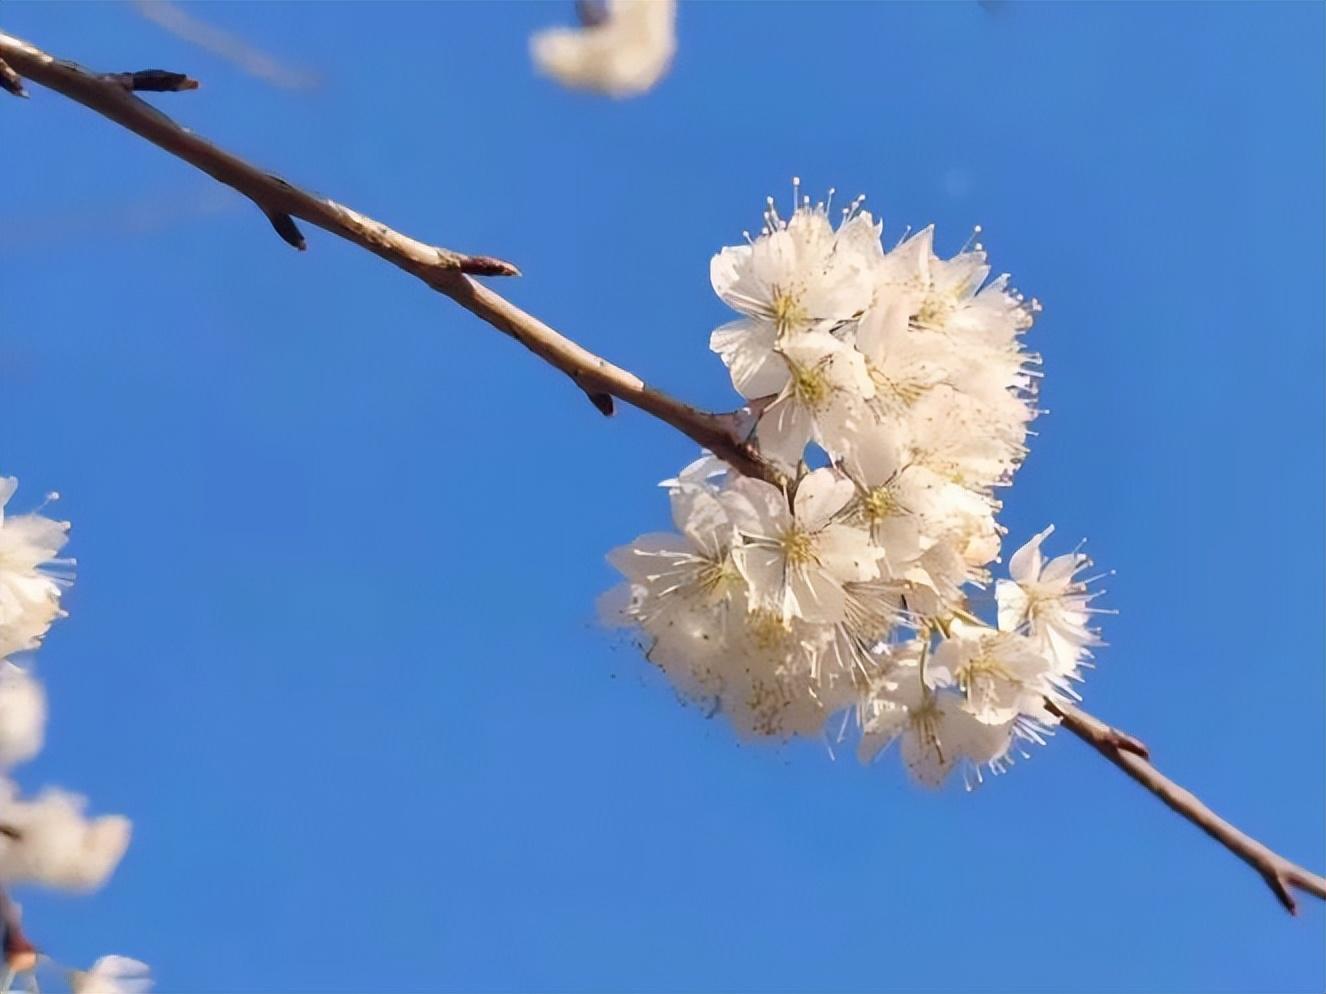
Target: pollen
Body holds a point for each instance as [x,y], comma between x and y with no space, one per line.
[881,503]
[716,578]
[811,386]
[788,314]
[906,392]
[798,547]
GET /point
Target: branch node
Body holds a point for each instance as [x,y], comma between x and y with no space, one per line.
[153,81]
[603,402]
[285,227]
[10,81]
[1127,743]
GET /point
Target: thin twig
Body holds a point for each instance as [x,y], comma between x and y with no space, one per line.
[446,272]
[442,269]
[1131,756]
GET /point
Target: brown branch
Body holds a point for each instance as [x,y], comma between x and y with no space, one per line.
[446,272]
[1131,756]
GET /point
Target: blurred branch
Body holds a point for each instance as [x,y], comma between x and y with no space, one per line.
[223,44]
[1131,756]
[446,272]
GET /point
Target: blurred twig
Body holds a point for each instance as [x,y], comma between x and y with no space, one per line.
[223,44]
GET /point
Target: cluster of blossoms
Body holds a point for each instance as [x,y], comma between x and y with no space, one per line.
[47,839]
[890,394]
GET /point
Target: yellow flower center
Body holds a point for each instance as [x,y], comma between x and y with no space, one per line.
[767,629]
[798,547]
[714,578]
[810,385]
[906,392]
[788,313]
[880,503]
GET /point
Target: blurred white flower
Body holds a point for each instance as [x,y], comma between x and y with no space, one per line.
[112,975]
[22,715]
[622,51]
[49,841]
[31,577]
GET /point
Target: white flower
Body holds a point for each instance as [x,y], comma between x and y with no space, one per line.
[681,571]
[22,715]
[48,840]
[888,498]
[112,975]
[796,560]
[903,364]
[29,590]
[799,275]
[1050,602]
[1000,675]
[623,54]
[936,730]
[821,400]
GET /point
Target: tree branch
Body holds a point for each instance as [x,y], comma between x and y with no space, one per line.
[1131,756]
[447,272]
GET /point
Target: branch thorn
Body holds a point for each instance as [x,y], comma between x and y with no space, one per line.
[285,227]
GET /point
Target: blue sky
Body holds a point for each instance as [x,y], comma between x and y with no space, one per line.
[333,644]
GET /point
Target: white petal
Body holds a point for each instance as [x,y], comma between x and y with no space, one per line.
[820,495]
[747,348]
[847,554]
[1025,565]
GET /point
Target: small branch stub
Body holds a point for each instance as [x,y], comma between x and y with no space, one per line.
[153,81]
[10,81]
[285,226]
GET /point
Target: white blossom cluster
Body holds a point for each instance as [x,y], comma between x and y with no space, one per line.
[891,394]
[46,839]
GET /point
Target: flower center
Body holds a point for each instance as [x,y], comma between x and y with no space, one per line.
[810,385]
[787,311]
[767,630]
[981,675]
[881,503]
[798,547]
[906,392]
[714,578]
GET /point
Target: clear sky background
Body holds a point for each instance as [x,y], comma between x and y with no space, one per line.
[333,644]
